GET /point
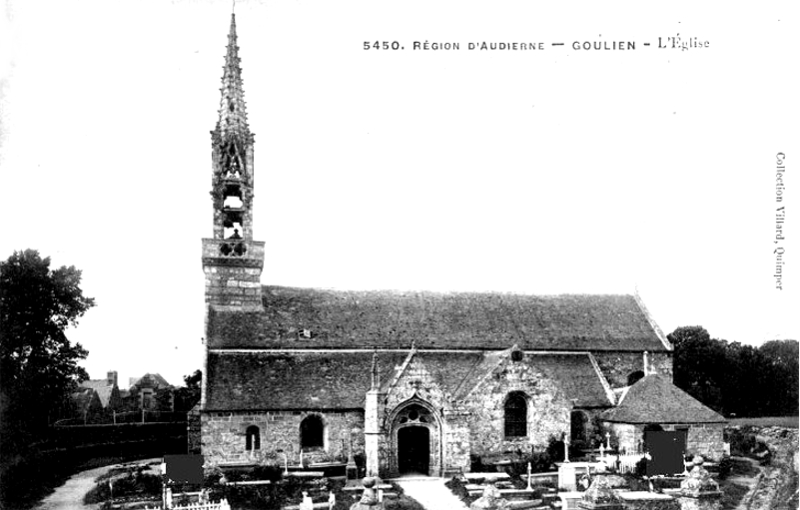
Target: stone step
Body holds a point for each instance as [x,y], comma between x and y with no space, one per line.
[486,477]
[360,488]
[519,505]
[306,474]
[297,507]
[517,494]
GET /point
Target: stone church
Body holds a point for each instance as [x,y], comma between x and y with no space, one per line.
[404,381]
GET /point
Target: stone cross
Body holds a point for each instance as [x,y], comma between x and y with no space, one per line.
[529,488]
[608,440]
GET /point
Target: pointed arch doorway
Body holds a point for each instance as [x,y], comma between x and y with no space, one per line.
[416,441]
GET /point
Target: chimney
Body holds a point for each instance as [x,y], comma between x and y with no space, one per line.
[111,378]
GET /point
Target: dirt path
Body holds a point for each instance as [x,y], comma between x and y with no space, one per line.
[430,493]
[70,495]
[751,482]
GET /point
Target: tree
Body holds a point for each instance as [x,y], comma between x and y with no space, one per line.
[189,395]
[699,364]
[38,364]
[734,378]
[783,358]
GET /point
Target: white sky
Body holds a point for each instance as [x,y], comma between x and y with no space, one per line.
[555,171]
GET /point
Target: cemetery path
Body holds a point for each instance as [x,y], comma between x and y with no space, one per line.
[431,493]
[70,495]
[750,481]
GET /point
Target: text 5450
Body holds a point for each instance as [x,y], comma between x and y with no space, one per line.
[382,45]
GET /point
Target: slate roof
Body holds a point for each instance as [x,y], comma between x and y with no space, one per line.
[241,381]
[102,388]
[654,399]
[301,318]
[151,380]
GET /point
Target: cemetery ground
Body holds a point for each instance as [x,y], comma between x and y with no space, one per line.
[138,486]
[760,474]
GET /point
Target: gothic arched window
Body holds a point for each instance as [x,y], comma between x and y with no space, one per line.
[579,422]
[312,432]
[252,438]
[516,415]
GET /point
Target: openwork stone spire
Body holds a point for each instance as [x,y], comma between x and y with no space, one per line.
[232,108]
[232,260]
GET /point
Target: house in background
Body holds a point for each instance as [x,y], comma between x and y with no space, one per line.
[96,399]
[107,391]
[151,392]
[86,405]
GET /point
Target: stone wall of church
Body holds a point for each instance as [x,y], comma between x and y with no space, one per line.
[224,436]
[548,410]
[458,439]
[617,366]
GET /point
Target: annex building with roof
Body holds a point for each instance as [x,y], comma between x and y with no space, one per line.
[404,381]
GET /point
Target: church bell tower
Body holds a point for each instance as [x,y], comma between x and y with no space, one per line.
[232,260]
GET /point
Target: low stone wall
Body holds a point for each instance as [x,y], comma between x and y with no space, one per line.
[702,439]
[777,488]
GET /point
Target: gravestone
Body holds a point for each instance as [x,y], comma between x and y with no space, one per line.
[699,491]
[490,500]
[600,495]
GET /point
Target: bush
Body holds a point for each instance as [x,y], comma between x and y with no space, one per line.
[402,503]
[725,467]
[742,440]
[458,488]
[641,467]
[272,473]
[138,485]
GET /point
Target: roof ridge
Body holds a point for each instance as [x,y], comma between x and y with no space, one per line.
[650,320]
[482,292]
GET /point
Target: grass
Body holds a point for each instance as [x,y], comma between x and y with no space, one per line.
[743,468]
[768,421]
[458,488]
[732,494]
